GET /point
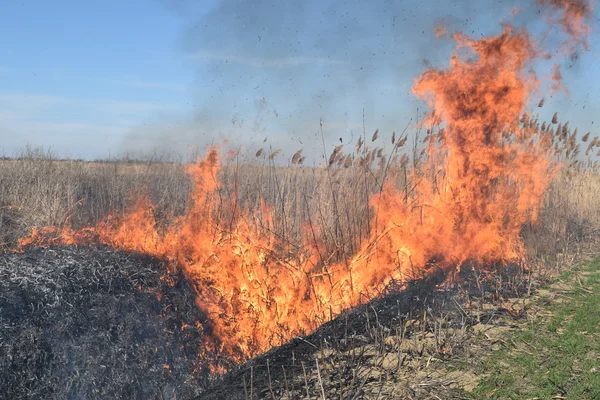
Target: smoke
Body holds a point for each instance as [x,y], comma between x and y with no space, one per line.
[313,61]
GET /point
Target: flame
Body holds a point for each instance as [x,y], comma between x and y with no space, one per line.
[486,171]
[573,17]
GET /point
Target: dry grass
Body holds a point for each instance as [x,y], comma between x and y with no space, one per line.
[570,218]
[332,203]
[37,190]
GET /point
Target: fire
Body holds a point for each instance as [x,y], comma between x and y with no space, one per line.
[573,17]
[495,170]
[487,167]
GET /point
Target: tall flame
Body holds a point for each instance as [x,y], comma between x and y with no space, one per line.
[485,175]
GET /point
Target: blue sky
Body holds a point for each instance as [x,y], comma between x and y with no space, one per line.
[91,79]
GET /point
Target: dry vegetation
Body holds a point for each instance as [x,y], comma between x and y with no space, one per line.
[430,341]
[37,189]
[40,190]
[387,348]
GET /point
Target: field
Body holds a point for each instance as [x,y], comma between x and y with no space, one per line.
[556,352]
[456,258]
[418,340]
[40,190]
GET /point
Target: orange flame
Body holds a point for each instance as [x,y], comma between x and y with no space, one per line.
[573,17]
[486,172]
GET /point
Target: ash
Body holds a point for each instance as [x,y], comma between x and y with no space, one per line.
[83,323]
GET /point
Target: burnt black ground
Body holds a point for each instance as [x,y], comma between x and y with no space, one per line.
[273,374]
[356,323]
[93,323]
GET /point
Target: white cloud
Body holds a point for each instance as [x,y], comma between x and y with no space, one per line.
[281,62]
[68,128]
[29,101]
[75,139]
[131,107]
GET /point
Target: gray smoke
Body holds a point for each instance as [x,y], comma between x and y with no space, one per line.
[274,69]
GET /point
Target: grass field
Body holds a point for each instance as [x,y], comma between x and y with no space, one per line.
[555,354]
[453,259]
[463,339]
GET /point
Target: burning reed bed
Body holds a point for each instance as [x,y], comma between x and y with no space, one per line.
[406,344]
[120,328]
[274,252]
[39,190]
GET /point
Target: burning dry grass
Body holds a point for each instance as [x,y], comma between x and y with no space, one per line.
[275,252]
[39,190]
[265,272]
[332,224]
[420,341]
[570,216]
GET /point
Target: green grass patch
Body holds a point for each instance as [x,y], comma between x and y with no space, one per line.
[555,356]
